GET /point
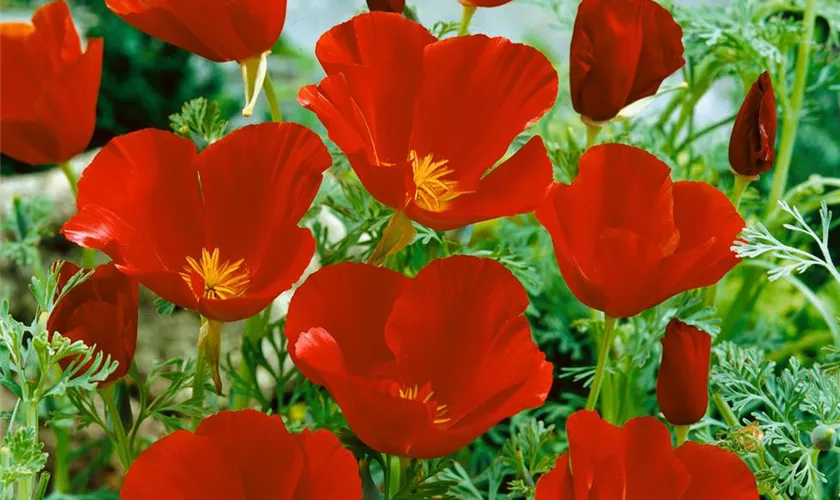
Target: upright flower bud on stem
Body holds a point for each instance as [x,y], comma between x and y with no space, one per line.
[682,385]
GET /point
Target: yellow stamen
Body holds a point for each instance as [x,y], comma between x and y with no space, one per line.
[222,280]
[433,192]
[413,392]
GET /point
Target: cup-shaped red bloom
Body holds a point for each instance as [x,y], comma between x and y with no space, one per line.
[244,455]
[101,311]
[214,231]
[397,6]
[423,120]
[49,87]
[627,238]
[682,386]
[636,462]
[621,51]
[752,145]
[420,367]
[219,31]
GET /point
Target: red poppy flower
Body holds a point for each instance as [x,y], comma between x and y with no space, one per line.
[621,52]
[423,120]
[420,367]
[636,462]
[484,3]
[214,231]
[682,386]
[244,455]
[397,6]
[101,311]
[49,87]
[219,31]
[627,238]
[752,145]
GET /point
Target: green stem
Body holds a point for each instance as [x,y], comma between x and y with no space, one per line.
[600,368]
[255,327]
[271,97]
[725,411]
[741,183]
[71,177]
[61,471]
[790,120]
[711,128]
[121,440]
[816,339]
[198,385]
[592,132]
[681,432]
[466,17]
[30,418]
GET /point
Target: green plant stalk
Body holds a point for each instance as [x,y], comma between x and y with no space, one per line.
[124,452]
[816,339]
[592,132]
[254,329]
[600,367]
[725,411]
[198,385]
[26,486]
[681,432]
[68,172]
[466,17]
[741,183]
[271,97]
[61,471]
[790,120]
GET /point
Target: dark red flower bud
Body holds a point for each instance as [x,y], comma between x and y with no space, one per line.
[752,145]
[50,87]
[621,52]
[682,386]
[101,311]
[397,6]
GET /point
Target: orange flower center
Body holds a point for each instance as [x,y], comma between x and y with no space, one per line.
[413,392]
[433,190]
[220,280]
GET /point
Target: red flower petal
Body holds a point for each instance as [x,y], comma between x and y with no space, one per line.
[556,484]
[454,119]
[228,31]
[325,458]
[397,6]
[485,3]
[351,302]
[716,473]
[621,51]
[101,311]
[591,442]
[468,372]
[682,385]
[752,145]
[652,470]
[50,87]
[149,239]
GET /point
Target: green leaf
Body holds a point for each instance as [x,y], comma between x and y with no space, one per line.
[22,452]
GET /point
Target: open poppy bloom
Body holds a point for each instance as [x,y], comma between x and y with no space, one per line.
[752,145]
[100,311]
[637,462]
[397,6]
[49,87]
[627,238]
[214,231]
[682,385]
[420,367]
[422,121]
[243,31]
[244,455]
[621,51]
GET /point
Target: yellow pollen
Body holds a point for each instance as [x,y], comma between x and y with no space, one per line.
[413,392]
[432,192]
[222,280]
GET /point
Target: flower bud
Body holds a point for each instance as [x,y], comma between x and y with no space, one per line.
[823,437]
[397,6]
[682,386]
[752,145]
